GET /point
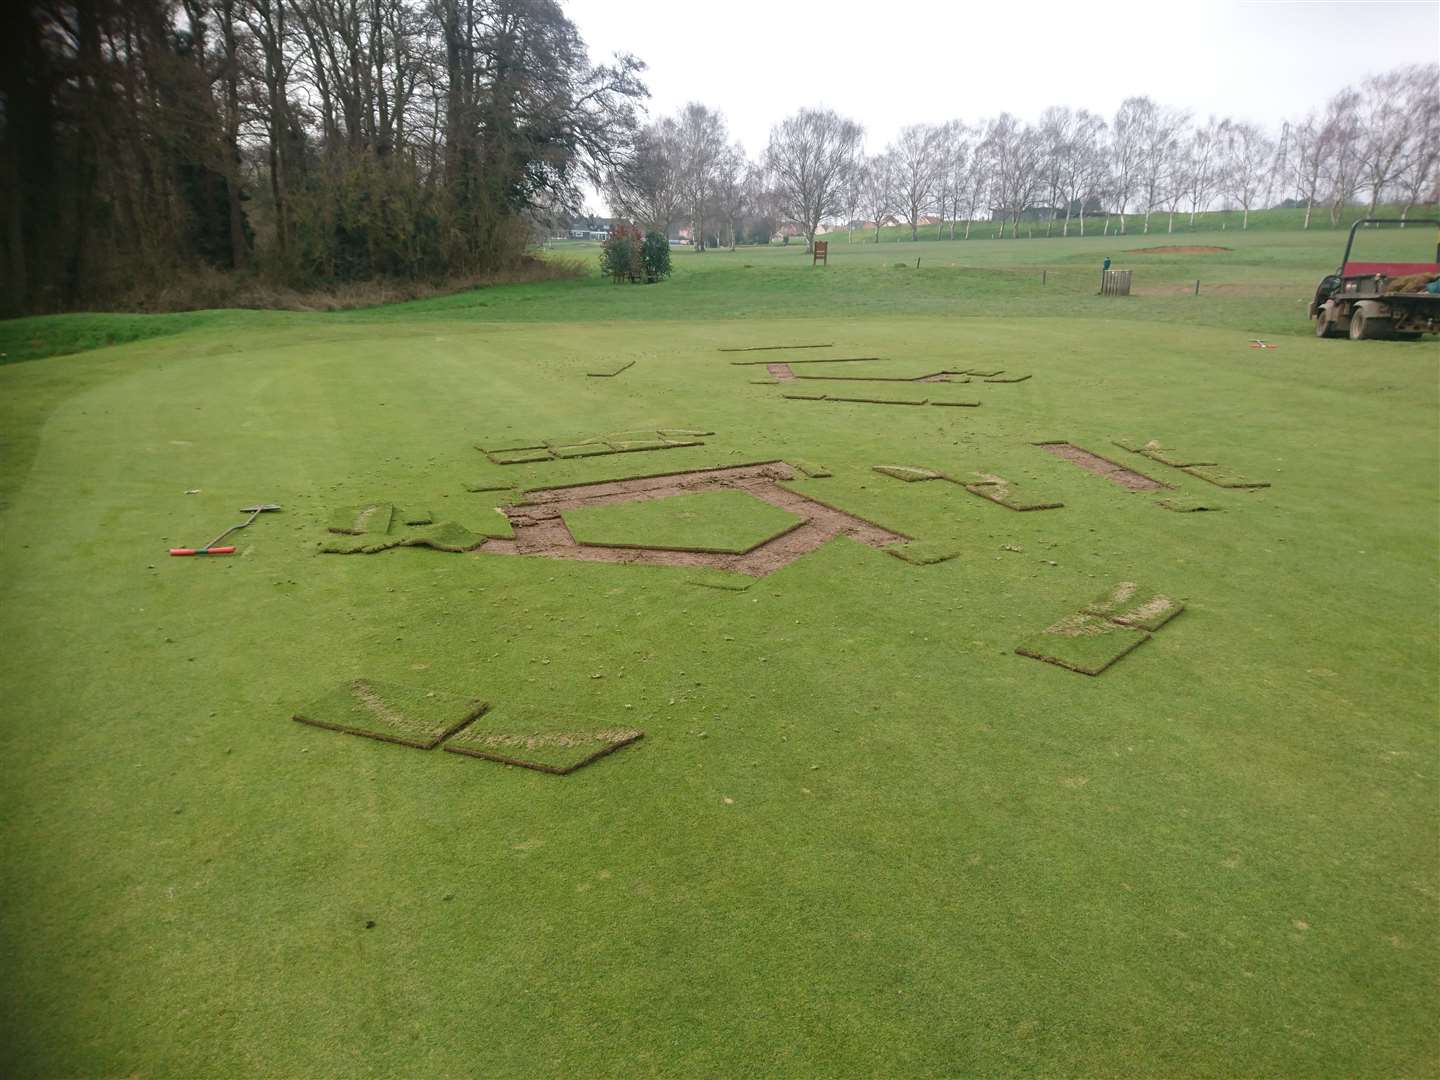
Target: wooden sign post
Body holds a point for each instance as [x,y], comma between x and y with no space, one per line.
[822,253]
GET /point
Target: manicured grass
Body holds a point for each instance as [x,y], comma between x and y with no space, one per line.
[861,836]
[718,521]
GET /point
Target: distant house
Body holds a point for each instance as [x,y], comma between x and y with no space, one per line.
[930,219]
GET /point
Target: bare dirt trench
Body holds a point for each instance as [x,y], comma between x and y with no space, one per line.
[540,530]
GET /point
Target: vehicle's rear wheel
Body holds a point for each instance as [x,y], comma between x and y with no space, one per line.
[1358,329]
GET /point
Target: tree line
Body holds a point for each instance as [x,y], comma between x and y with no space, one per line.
[1379,140]
[309,141]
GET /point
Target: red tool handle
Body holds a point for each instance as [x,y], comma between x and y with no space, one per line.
[203,551]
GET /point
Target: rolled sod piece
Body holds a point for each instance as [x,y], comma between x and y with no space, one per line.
[1133,605]
[1084,643]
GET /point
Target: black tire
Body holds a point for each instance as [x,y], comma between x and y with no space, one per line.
[1324,328]
[1408,335]
[1357,325]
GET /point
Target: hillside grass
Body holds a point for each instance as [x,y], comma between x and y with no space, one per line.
[861,835]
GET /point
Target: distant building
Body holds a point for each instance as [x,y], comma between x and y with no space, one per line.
[590,228]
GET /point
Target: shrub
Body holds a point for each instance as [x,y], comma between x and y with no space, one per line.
[621,256]
[655,251]
[627,256]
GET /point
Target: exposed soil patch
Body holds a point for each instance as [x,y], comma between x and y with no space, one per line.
[1177,249]
[780,371]
[1100,466]
[540,530]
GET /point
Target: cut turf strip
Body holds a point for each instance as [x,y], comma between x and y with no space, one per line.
[812,469]
[909,473]
[1221,477]
[925,552]
[620,442]
[771,348]
[558,753]
[610,374]
[1084,643]
[826,360]
[780,371]
[1128,604]
[370,518]
[1009,379]
[445,536]
[1100,466]
[1181,504]
[405,715]
[957,404]
[1002,491]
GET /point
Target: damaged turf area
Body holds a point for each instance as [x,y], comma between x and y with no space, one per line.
[861,836]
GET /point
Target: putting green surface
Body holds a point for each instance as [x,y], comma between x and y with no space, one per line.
[861,835]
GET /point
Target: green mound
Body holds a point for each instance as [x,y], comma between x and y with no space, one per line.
[724,522]
[410,716]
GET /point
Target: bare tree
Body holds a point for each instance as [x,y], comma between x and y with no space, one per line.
[1419,175]
[1307,162]
[1130,133]
[919,164]
[731,174]
[1202,165]
[878,190]
[1386,119]
[810,158]
[1341,151]
[1245,152]
[1161,136]
[701,142]
[955,158]
[1074,159]
[1014,154]
[647,187]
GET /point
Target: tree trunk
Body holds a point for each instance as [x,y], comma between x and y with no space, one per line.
[1309,205]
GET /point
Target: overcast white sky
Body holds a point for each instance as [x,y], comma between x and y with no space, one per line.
[887,65]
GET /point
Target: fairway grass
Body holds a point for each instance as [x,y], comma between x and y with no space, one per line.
[861,836]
